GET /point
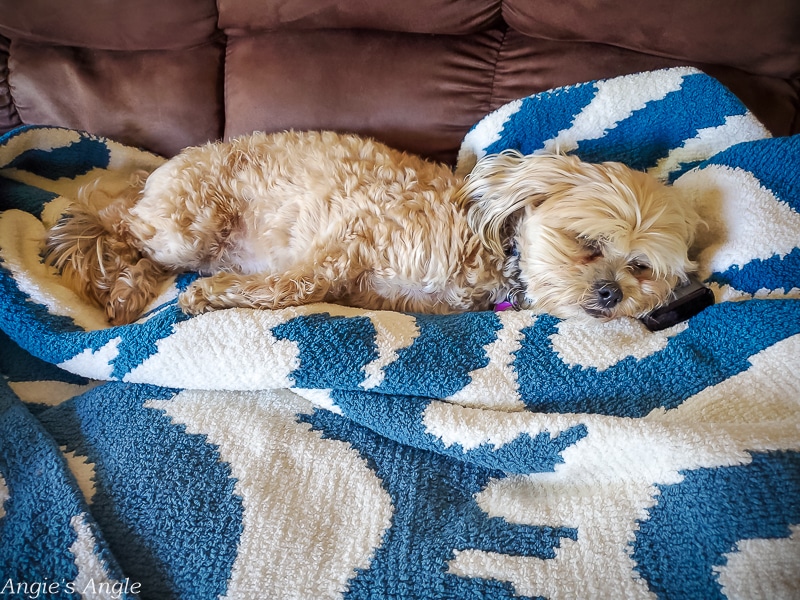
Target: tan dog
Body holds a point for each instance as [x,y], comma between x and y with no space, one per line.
[285,219]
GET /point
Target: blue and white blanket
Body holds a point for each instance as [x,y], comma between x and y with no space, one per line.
[327,452]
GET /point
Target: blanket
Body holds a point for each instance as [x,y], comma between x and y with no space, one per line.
[330,452]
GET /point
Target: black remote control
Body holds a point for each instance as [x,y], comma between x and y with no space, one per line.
[686,301]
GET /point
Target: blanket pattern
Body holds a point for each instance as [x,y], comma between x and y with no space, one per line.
[330,452]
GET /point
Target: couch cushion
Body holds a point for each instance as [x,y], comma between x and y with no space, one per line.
[160,100]
[760,37]
[415,92]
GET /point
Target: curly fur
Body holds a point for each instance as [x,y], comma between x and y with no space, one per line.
[278,220]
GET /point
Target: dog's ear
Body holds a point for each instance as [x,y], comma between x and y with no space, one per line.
[501,184]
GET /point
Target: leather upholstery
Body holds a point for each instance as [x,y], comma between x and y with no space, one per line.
[164,74]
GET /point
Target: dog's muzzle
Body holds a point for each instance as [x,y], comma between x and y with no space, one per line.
[606,295]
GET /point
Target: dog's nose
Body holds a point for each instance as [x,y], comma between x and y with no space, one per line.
[609,294]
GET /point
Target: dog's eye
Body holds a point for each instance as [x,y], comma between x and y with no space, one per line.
[638,266]
[594,248]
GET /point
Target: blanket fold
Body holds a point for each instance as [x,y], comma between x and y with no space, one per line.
[329,452]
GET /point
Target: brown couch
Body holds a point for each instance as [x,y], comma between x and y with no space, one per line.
[164,74]
[564,461]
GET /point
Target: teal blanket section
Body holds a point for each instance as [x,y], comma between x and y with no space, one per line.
[329,452]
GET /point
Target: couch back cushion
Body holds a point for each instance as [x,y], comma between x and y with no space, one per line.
[760,37]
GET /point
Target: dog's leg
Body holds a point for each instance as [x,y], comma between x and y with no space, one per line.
[232,290]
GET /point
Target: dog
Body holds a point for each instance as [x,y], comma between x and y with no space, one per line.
[290,218]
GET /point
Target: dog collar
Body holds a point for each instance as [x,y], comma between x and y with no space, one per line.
[515,300]
[511,273]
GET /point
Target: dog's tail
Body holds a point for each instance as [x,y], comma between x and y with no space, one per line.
[96,256]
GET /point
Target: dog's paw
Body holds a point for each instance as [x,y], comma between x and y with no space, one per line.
[195,300]
[134,288]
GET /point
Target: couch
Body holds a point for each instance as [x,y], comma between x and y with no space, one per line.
[417,75]
[329,452]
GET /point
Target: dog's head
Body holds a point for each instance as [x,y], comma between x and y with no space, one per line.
[601,239]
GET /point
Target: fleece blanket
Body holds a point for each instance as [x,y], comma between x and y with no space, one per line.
[328,452]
